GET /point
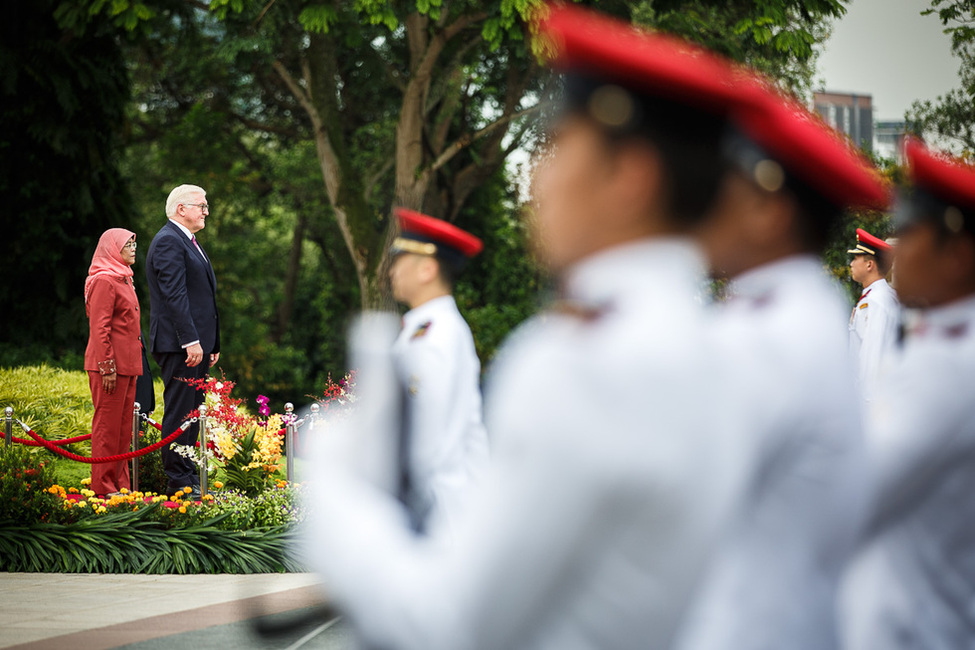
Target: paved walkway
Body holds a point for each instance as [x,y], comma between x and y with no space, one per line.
[144,612]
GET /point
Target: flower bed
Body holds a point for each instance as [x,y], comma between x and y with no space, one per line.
[244,527]
[46,527]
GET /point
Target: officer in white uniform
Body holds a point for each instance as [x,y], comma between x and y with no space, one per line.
[913,583]
[438,365]
[614,459]
[773,585]
[875,320]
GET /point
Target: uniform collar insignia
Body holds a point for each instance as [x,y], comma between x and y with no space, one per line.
[421,331]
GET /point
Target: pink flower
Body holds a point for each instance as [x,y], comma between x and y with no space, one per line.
[263,410]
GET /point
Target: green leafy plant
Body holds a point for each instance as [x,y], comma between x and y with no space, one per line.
[25,481]
[133,542]
[152,476]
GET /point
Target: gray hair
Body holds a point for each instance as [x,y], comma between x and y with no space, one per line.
[181,194]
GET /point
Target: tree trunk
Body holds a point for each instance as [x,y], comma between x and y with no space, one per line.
[286,308]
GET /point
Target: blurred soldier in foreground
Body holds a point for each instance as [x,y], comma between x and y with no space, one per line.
[773,585]
[876,316]
[913,583]
[614,462]
[446,447]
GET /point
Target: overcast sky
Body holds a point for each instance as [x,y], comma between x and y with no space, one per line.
[887,49]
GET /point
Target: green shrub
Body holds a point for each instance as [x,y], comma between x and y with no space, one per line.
[54,403]
[24,483]
[276,506]
[134,542]
[152,476]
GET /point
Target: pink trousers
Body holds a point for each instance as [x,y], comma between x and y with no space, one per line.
[111,432]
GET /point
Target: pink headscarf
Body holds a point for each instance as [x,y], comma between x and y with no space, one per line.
[107,259]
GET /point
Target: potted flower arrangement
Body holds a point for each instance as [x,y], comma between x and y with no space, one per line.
[247,448]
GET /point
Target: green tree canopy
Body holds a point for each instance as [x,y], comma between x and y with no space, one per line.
[951,118]
[62,99]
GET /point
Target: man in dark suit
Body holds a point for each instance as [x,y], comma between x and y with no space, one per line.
[184,327]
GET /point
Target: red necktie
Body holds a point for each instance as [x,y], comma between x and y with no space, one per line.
[198,248]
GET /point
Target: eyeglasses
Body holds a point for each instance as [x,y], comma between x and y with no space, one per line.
[131,245]
[202,206]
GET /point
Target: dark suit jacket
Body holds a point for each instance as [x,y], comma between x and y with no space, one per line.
[182,294]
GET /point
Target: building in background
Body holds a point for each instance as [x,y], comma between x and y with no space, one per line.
[848,113]
[888,140]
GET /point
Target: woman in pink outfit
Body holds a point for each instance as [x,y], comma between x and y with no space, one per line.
[113,358]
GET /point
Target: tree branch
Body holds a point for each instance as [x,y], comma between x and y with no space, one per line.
[373,179]
[468,139]
[295,87]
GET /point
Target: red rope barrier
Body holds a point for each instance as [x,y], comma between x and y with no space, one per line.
[117,458]
[60,443]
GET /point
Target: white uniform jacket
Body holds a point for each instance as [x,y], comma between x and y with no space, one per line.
[913,583]
[437,362]
[774,583]
[607,486]
[873,332]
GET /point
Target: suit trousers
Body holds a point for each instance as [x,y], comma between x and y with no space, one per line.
[179,400]
[111,432]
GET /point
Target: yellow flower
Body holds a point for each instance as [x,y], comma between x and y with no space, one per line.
[182,509]
[218,485]
[124,490]
[100,509]
[72,490]
[53,489]
[187,489]
[86,481]
[207,497]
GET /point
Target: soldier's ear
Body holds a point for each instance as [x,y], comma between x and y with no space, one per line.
[429,269]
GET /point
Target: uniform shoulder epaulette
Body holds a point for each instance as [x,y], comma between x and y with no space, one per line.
[863,305]
[421,331]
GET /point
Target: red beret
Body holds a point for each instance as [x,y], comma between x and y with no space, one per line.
[649,63]
[867,244]
[421,229]
[811,151]
[949,180]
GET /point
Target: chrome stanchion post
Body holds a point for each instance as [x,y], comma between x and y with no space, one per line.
[8,436]
[134,478]
[203,448]
[289,440]
[315,409]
